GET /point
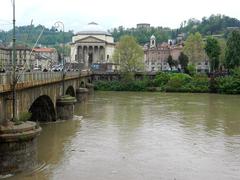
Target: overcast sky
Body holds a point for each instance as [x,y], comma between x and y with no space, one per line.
[113,13]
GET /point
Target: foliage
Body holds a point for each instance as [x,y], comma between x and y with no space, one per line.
[213,51]
[233,50]
[183,61]
[194,48]
[161,79]
[177,82]
[142,35]
[191,70]
[29,34]
[127,76]
[170,61]
[66,50]
[215,24]
[236,72]
[184,83]
[129,55]
[199,83]
[223,45]
[228,84]
[139,85]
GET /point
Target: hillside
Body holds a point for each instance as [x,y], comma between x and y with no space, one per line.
[215,24]
[29,34]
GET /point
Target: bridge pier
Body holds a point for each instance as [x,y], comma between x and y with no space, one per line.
[18,147]
[81,94]
[65,107]
[90,87]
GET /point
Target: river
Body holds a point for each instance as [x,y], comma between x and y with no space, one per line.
[142,135]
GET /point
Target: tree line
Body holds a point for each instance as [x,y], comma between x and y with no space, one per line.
[215,24]
[28,35]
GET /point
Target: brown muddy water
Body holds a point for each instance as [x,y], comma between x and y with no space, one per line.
[140,135]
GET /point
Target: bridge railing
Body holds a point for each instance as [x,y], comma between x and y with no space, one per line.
[6,78]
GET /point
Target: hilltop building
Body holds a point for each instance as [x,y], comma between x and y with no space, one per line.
[92,45]
[143,25]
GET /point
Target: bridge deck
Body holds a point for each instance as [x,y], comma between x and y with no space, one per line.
[30,79]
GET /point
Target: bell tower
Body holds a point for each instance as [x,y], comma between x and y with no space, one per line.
[152,41]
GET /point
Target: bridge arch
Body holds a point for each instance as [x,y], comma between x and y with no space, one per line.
[70,91]
[42,109]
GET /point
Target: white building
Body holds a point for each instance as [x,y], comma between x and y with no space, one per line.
[92,45]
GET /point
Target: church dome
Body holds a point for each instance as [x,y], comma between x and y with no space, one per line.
[93,29]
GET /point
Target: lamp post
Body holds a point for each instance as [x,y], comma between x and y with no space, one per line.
[14,79]
[57,25]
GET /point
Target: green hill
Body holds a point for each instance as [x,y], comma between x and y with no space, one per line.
[29,34]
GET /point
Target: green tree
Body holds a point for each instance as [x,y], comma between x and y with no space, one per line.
[215,24]
[223,46]
[194,48]
[183,61]
[233,50]
[170,62]
[213,51]
[129,55]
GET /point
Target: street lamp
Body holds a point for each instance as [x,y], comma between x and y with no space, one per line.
[14,79]
[59,24]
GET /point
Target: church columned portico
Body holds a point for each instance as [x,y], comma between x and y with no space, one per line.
[89,54]
[92,45]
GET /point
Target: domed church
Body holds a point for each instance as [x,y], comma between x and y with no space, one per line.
[92,45]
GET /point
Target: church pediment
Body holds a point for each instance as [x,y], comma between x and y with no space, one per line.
[90,39]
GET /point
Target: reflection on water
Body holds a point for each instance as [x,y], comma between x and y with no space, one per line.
[125,135]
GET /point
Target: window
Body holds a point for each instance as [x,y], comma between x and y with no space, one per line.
[152,42]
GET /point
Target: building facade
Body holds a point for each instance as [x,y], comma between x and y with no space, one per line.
[143,26]
[24,57]
[156,55]
[92,45]
[5,56]
[45,58]
[27,58]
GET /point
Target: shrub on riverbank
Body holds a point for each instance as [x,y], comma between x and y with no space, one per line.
[177,82]
[161,79]
[139,85]
[229,84]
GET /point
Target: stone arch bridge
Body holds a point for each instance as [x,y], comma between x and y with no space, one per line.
[38,93]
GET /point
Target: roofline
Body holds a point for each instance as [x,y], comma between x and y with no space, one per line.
[93,33]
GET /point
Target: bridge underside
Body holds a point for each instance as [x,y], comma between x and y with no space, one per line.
[42,109]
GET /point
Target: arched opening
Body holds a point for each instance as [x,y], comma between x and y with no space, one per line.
[43,110]
[70,91]
[89,80]
[82,84]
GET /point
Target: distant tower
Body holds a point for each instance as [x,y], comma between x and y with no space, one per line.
[152,41]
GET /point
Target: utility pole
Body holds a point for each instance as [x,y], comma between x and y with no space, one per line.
[14,80]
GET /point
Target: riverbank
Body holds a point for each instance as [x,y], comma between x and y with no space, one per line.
[177,82]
